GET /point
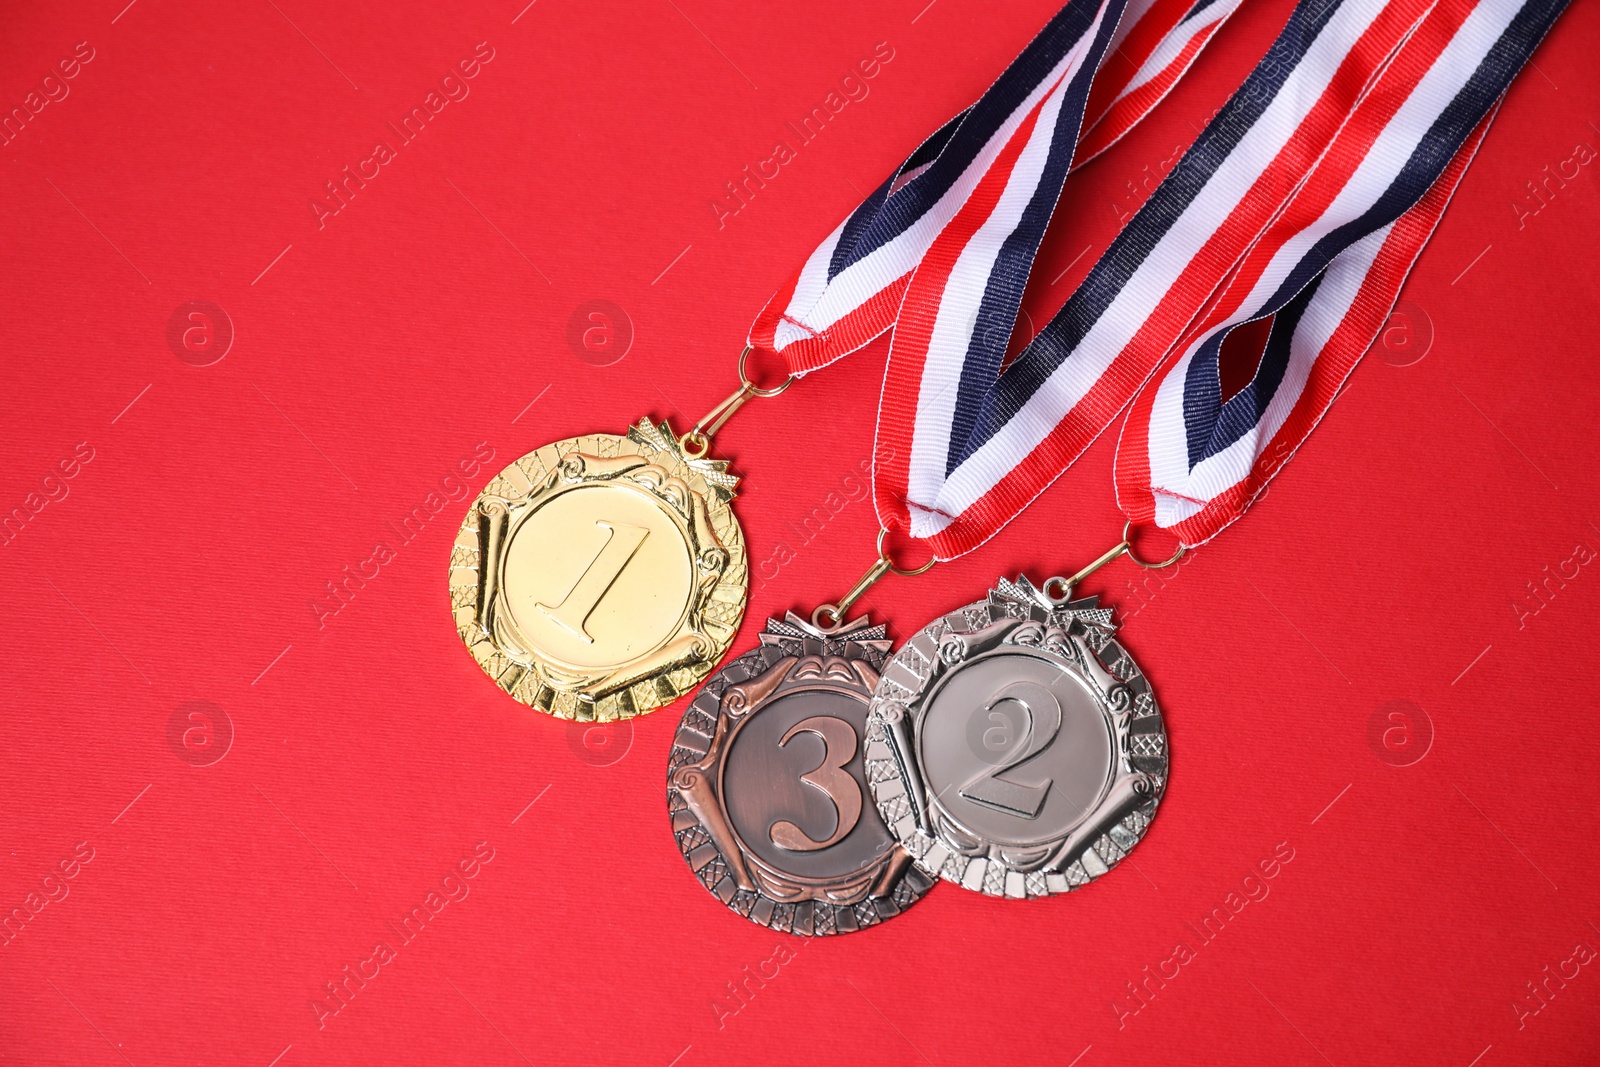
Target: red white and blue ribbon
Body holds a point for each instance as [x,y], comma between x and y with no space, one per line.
[1307,196]
[1304,200]
[994,172]
[1155,43]
[1325,277]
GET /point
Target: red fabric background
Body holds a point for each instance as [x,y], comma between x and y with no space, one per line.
[370,756]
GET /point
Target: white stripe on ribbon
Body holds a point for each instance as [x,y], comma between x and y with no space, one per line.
[809,287]
[1139,298]
[969,279]
[1180,492]
[825,302]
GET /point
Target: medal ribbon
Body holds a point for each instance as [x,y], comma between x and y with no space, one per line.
[1306,198]
[1020,137]
[1326,276]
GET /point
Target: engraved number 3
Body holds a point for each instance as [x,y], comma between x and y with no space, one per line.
[1041,722]
[830,778]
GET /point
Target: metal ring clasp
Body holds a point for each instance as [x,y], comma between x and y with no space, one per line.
[756,390]
[886,560]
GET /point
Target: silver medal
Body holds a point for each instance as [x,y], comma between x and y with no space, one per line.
[1014,746]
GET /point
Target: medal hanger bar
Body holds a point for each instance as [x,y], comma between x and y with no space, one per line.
[1121,548]
[697,442]
[884,564]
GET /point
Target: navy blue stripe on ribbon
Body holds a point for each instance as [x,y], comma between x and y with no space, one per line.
[850,247]
[1061,336]
[1209,424]
[1209,434]
[1008,277]
[968,133]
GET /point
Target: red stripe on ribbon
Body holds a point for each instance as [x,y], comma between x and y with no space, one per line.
[1350,341]
[919,311]
[1157,336]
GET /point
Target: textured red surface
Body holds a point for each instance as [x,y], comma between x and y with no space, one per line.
[426,323]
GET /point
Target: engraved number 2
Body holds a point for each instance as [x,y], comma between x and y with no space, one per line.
[1041,722]
[572,614]
[830,778]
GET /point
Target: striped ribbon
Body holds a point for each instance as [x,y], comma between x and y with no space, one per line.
[850,290]
[1325,274]
[1306,199]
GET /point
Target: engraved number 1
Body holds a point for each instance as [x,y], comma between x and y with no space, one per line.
[572,614]
[1041,722]
[830,778]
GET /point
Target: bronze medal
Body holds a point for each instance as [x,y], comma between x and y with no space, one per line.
[767,785]
[600,577]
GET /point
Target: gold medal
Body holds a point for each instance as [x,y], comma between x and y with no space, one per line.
[600,577]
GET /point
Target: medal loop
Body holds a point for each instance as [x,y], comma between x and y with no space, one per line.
[888,561]
[697,442]
[1127,528]
[1121,548]
[756,390]
[884,564]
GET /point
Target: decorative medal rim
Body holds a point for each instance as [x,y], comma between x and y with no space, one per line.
[619,691]
[1061,631]
[749,886]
